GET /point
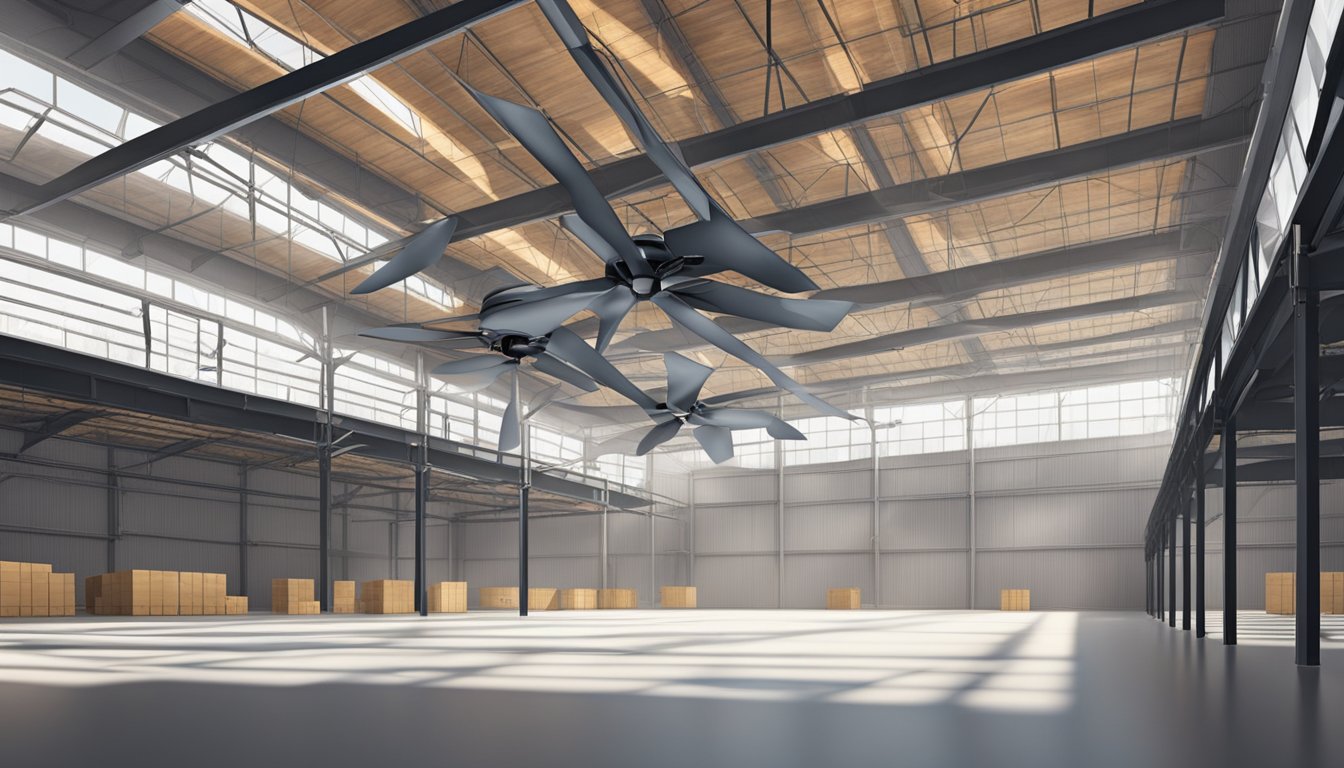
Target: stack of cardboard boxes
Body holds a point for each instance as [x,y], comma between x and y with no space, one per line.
[1332,592]
[499,597]
[617,598]
[678,597]
[293,597]
[1281,593]
[842,599]
[156,593]
[578,599]
[343,597]
[31,589]
[388,596]
[235,606]
[448,597]
[1015,599]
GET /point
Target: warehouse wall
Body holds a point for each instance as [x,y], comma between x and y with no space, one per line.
[1266,532]
[1063,519]
[59,504]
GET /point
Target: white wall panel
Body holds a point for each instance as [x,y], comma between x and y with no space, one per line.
[842,525]
[807,577]
[924,524]
[743,528]
[924,580]
[736,582]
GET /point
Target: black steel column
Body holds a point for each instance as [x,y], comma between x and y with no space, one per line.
[1230,531]
[1147,585]
[324,518]
[421,499]
[1171,571]
[1185,564]
[242,531]
[1161,554]
[1200,625]
[522,550]
[1306,462]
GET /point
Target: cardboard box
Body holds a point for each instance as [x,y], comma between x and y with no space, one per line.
[499,597]
[842,598]
[1281,593]
[388,596]
[1015,599]
[343,597]
[617,598]
[543,599]
[235,605]
[578,599]
[448,597]
[290,596]
[677,597]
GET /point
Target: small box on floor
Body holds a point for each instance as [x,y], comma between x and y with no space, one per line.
[578,599]
[448,597]
[543,599]
[388,596]
[617,598]
[343,597]
[677,597]
[499,597]
[235,605]
[1281,593]
[842,598]
[291,596]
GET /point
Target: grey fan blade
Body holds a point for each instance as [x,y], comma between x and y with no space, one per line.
[724,244]
[803,314]
[717,442]
[419,253]
[537,313]
[567,346]
[685,378]
[611,308]
[733,418]
[475,382]
[535,133]
[625,442]
[682,313]
[413,333]
[471,365]
[658,435]
[576,226]
[510,428]
[575,38]
[556,369]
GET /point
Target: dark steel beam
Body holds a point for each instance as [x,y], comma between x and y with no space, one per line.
[270,97]
[1038,53]
[324,524]
[1306,464]
[1186,591]
[54,425]
[243,535]
[523,553]
[1200,626]
[1229,448]
[421,500]
[124,32]
[1171,568]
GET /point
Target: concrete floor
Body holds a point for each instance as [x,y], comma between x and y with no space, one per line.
[654,688]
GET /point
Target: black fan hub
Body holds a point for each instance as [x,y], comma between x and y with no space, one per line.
[518,347]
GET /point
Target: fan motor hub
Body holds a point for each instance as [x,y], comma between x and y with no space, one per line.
[518,347]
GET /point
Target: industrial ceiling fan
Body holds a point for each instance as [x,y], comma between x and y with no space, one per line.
[668,270]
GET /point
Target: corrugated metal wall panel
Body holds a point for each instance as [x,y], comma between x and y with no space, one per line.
[748,487]
[802,486]
[923,480]
[1064,579]
[270,524]
[807,577]
[1049,519]
[144,513]
[565,572]
[564,536]
[924,580]
[736,582]
[842,525]
[924,523]
[745,528]
[266,563]
[54,502]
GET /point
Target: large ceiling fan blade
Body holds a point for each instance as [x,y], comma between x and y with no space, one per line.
[803,314]
[685,378]
[577,227]
[707,329]
[625,442]
[422,251]
[734,418]
[724,244]
[539,138]
[669,162]
[717,442]
[537,313]
[658,435]
[511,428]
[473,364]
[567,346]
[412,333]
[611,308]
[554,368]
[475,382]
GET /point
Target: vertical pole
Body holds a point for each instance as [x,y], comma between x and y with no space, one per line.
[653,560]
[877,503]
[1200,624]
[324,468]
[606,510]
[1159,593]
[1306,458]
[524,486]
[113,509]
[970,495]
[147,325]
[1171,570]
[779,526]
[1185,564]
[1230,530]
[421,482]
[243,514]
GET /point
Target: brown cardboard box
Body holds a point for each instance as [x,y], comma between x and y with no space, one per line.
[1015,600]
[9,589]
[616,598]
[677,597]
[842,598]
[578,599]
[499,597]
[289,596]
[388,596]
[343,597]
[235,605]
[1281,593]
[543,599]
[448,597]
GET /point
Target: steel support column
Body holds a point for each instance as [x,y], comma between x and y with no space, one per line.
[421,483]
[1185,564]
[1171,571]
[1306,458]
[242,530]
[324,447]
[524,488]
[1229,445]
[1157,574]
[1200,624]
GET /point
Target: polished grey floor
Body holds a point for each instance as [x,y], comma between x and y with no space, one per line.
[655,688]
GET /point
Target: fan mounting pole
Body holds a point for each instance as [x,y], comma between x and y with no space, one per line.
[524,484]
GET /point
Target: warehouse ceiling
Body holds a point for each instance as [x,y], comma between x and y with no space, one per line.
[995,231]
